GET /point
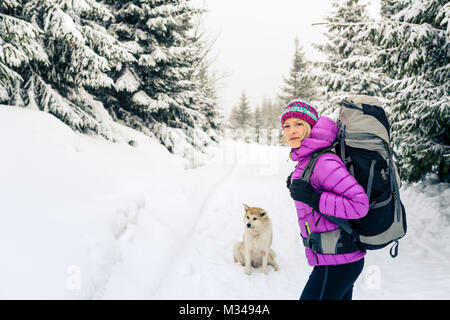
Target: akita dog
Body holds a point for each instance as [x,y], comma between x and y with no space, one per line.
[255,249]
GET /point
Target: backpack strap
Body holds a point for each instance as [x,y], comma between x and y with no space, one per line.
[331,242]
[309,168]
[306,176]
[370,180]
[342,140]
[394,186]
[344,225]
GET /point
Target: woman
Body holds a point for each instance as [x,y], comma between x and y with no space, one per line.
[332,190]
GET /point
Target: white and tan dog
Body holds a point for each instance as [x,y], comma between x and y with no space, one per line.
[255,249]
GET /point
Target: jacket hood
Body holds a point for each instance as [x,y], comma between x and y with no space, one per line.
[323,134]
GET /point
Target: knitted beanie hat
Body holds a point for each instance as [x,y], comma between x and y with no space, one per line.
[300,109]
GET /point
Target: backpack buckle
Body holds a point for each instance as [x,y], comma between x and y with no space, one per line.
[313,242]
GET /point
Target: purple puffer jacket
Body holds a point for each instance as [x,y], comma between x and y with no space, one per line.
[341,197]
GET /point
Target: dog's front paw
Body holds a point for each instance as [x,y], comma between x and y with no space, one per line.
[265,270]
[248,271]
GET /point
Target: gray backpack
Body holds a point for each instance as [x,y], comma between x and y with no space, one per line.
[364,146]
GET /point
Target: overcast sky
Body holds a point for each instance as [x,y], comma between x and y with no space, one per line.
[255,44]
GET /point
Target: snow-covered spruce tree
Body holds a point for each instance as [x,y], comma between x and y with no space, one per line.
[348,68]
[207,81]
[388,8]
[272,110]
[300,83]
[257,123]
[257,119]
[241,115]
[164,93]
[416,38]
[232,122]
[266,110]
[79,52]
[19,46]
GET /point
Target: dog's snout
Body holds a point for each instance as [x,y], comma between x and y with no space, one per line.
[248,225]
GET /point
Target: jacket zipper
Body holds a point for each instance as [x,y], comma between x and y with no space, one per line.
[317,222]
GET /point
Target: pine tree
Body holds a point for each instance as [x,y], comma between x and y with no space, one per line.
[243,114]
[19,46]
[68,56]
[233,122]
[206,99]
[258,123]
[415,35]
[161,94]
[142,60]
[207,87]
[272,110]
[391,7]
[266,110]
[299,84]
[348,69]
[258,119]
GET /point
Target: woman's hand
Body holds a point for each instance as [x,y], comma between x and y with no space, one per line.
[288,180]
[304,192]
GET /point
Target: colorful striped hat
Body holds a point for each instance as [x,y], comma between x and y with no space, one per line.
[300,109]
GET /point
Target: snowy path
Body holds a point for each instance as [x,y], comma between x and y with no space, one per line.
[202,266]
[206,270]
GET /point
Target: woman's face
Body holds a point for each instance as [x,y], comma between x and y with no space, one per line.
[294,131]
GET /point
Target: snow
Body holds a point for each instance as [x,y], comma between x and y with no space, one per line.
[142,99]
[133,46]
[3,92]
[84,218]
[128,81]
[158,54]
[146,60]
[60,24]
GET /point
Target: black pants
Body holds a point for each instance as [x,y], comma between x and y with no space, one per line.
[332,282]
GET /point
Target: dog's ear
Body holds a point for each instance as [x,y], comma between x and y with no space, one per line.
[246,207]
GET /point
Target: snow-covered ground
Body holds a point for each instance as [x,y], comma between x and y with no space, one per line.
[83,218]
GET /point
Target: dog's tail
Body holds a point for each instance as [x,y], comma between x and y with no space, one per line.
[237,253]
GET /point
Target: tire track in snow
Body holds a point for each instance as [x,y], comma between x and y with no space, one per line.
[201,211]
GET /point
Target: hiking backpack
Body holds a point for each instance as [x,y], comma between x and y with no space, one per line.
[364,146]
